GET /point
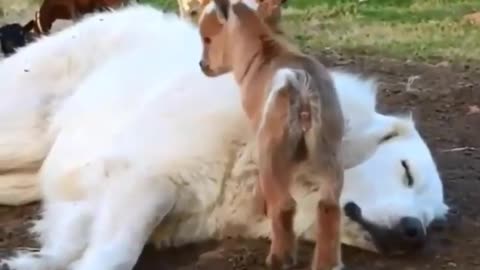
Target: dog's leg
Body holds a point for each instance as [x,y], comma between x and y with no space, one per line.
[126,217]
[61,233]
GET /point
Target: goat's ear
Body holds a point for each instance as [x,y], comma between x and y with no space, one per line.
[222,7]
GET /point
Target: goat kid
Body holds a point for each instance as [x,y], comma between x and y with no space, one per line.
[292,105]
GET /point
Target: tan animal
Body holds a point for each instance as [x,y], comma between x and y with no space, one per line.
[292,105]
[268,9]
[190,9]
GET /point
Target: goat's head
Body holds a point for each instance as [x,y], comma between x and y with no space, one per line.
[217,26]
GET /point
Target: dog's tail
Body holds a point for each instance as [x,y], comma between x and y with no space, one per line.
[28,27]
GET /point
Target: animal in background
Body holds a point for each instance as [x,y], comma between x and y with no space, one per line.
[13,36]
[291,102]
[191,9]
[268,9]
[52,10]
[271,10]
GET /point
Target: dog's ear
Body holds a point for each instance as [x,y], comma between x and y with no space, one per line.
[222,7]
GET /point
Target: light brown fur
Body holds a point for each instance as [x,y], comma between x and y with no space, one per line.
[297,122]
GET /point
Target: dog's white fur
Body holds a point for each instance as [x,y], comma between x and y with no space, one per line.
[139,146]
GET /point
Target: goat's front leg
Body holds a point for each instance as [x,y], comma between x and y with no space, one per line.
[327,255]
[75,16]
[275,172]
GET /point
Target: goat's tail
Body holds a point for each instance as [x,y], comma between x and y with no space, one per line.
[313,118]
[316,113]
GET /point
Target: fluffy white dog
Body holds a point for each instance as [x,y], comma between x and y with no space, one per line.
[136,145]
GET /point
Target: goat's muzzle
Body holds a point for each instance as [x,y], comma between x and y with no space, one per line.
[205,68]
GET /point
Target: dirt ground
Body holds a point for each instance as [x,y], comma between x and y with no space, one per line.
[444,100]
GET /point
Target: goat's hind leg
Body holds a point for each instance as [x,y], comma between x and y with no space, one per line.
[327,254]
[275,173]
[281,210]
[126,217]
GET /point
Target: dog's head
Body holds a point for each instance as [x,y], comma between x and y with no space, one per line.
[394,194]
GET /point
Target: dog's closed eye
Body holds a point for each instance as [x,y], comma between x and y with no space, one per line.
[408,178]
[389,136]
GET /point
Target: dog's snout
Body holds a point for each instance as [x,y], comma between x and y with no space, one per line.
[412,229]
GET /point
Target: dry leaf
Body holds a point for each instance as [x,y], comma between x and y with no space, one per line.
[473,109]
[473,18]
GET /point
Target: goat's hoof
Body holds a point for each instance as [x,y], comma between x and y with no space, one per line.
[274,262]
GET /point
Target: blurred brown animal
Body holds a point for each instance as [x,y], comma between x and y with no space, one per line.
[52,10]
[294,110]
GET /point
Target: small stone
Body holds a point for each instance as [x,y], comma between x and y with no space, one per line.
[452,264]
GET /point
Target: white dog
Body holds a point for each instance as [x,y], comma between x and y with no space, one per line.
[137,145]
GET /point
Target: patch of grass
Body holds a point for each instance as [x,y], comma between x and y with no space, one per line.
[164,4]
[416,29]
[396,28]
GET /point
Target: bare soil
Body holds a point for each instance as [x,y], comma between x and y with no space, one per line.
[445,100]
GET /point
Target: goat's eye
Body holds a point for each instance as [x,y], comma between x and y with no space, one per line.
[207,40]
[408,178]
